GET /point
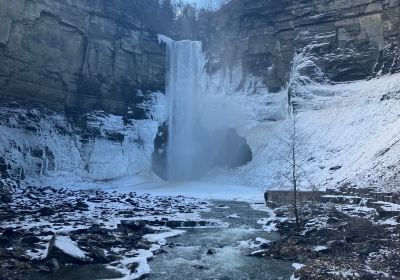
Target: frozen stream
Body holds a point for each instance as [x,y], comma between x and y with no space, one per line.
[187,256]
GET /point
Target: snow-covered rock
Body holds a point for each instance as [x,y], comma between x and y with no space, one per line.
[64,250]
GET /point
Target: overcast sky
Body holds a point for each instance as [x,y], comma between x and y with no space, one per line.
[204,3]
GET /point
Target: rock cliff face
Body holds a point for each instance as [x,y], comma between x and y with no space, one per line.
[347,40]
[100,61]
[86,76]
[78,55]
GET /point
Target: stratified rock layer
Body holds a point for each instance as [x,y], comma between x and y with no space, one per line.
[347,40]
[78,55]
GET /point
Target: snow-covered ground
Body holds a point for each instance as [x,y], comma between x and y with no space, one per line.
[202,190]
[349,134]
[147,182]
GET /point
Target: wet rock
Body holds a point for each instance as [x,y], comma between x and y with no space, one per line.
[46,211]
[174,224]
[148,230]
[133,225]
[334,168]
[30,239]
[133,267]
[200,267]
[9,233]
[99,255]
[5,195]
[53,265]
[211,252]
[143,245]
[202,223]
[4,241]
[96,229]
[80,205]
[189,223]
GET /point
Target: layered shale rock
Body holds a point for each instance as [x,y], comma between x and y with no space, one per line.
[78,55]
[347,40]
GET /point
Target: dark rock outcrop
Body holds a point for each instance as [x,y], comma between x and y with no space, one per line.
[347,40]
[79,55]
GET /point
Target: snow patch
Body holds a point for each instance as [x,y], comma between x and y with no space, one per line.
[69,247]
[161,238]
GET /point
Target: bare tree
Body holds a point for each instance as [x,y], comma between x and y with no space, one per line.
[294,175]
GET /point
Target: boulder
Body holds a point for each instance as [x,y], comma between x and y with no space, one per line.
[46,211]
[66,251]
[30,239]
[5,191]
[99,255]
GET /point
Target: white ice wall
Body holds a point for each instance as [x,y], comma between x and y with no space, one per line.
[95,158]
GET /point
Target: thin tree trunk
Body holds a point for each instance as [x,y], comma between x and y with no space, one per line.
[296,212]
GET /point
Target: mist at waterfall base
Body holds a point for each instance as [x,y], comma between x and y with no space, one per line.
[199,127]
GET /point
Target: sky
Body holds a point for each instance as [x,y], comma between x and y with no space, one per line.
[204,3]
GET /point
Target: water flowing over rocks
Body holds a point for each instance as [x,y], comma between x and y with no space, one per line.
[112,229]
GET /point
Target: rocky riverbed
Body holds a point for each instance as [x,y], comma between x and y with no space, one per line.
[337,242]
[49,233]
[53,233]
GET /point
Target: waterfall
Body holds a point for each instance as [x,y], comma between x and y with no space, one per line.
[197,139]
[185,65]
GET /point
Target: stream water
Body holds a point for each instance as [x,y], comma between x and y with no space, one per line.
[187,258]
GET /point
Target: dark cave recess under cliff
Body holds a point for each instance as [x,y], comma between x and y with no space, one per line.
[234,153]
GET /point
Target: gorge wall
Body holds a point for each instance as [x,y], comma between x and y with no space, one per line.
[80,55]
[296,53]
[82,82]
[347,40]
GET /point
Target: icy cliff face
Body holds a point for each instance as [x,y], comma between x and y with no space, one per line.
[263,57]
[348,132]
[83,74]
[39,143]
[268,56]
